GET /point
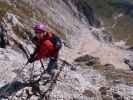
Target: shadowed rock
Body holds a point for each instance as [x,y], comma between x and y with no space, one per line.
[89,93]
[129,63]
[11,88]
[3,37]
[88,60]
[87,11]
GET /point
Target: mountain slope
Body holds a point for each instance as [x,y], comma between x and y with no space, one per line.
[91,65]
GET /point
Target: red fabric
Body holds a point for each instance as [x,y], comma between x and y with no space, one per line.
[45,48]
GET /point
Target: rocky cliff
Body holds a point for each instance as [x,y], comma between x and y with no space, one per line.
[96,60]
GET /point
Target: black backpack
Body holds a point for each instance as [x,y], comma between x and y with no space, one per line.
[56,41]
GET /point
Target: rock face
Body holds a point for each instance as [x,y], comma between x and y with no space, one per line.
[86,10]
[92,69]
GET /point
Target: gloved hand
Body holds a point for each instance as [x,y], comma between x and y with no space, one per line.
[31,59]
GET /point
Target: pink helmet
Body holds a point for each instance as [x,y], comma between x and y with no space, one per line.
[40,26]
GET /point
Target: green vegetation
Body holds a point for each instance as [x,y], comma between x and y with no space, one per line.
[101,7]
[123,29]
[99,67]
[23,8]
[4,7]
[105,11]
[19,32]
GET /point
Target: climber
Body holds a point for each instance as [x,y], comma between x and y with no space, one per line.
[47,46]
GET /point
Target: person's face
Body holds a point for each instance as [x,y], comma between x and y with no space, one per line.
[40,33]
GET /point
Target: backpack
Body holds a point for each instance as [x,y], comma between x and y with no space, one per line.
[56,41]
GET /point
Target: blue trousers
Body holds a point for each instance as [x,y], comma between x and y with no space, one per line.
[52,65]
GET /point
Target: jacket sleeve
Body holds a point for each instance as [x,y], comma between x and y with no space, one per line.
[43,51]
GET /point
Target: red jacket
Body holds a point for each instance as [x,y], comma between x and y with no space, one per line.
[45,48]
